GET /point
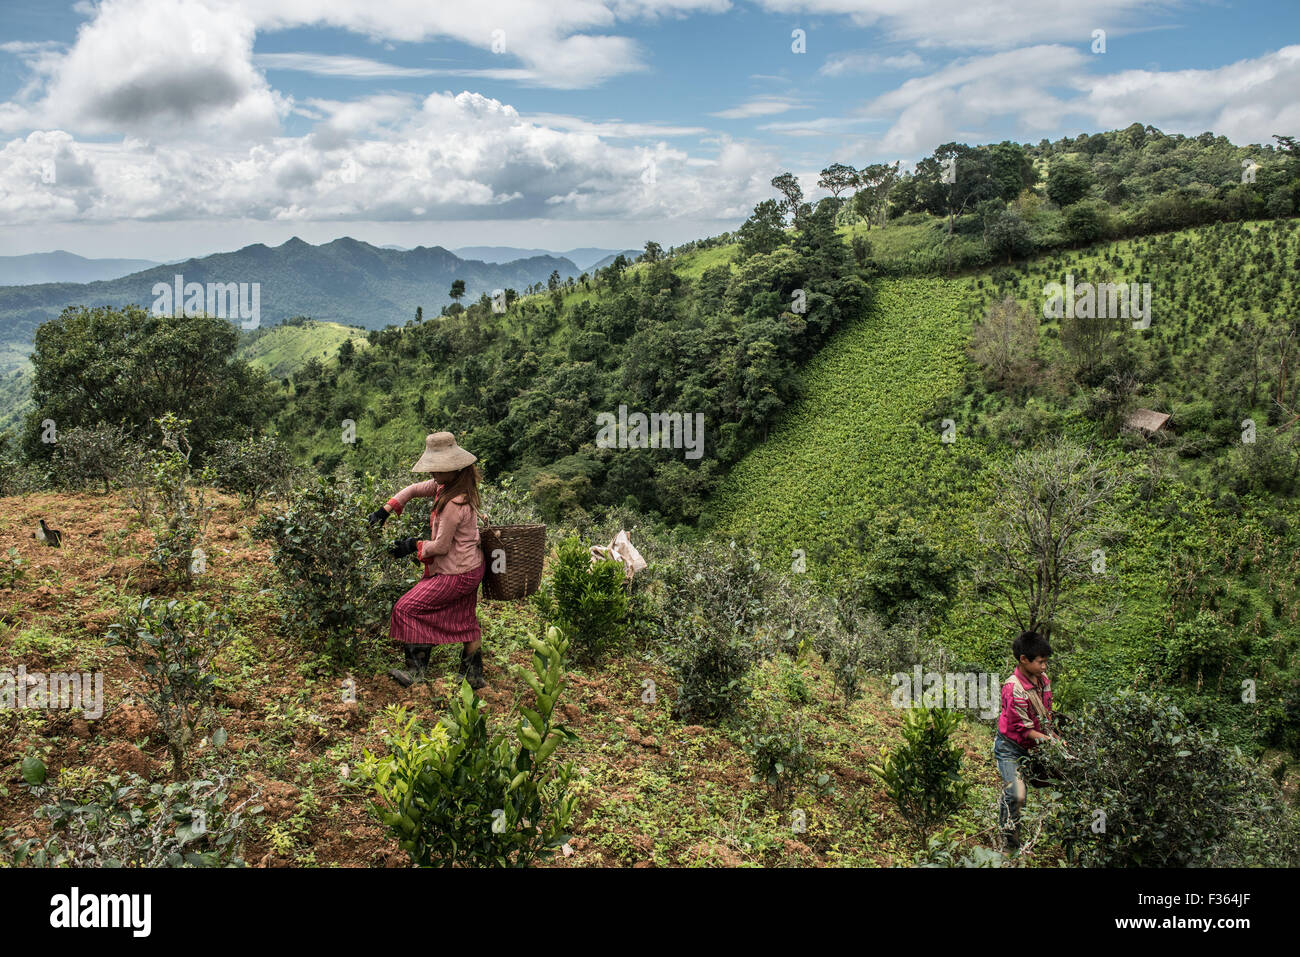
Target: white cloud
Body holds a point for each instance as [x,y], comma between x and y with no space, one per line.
[759,106]
[1247,101]
[970,94]
[389,157]
[981,24]
[326,64]
[842,64]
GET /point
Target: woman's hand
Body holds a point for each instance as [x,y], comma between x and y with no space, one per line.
[378,517]
[403,547]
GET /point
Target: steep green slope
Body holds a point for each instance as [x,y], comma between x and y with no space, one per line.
[283,350]
[856,444]
[1194,533]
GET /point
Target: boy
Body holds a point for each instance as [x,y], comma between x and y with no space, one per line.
[1024,723]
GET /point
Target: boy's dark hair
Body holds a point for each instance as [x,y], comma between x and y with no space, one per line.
[1031,645]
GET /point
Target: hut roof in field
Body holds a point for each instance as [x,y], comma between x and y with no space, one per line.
[1147,420]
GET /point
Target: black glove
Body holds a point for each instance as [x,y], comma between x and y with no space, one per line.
[378,518]
[403,547]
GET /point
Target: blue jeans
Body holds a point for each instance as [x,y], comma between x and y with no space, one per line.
[1011,758]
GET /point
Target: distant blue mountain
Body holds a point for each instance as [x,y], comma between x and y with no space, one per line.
[60,266]
[585,258]
[345,281]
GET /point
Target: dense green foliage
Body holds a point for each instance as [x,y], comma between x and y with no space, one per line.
[1134,761]
[586,599]
[523,387]
[922,775]
[465,795]
[340,582]
[129,367]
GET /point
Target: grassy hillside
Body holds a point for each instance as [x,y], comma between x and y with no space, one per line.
[858,439]
[282,350]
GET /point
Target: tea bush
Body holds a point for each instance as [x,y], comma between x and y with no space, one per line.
[923,774]
[340,583]
[124,821]
[587,600]
[779,754]
[464,795]
[1137,758]
[712,669]
[92,455]
[172,647]
[252,467]
[180,508]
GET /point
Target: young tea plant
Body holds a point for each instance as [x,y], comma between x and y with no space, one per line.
[172,647]
[923,775]
[586,600]
[181,510]
[463,795]
[780,755]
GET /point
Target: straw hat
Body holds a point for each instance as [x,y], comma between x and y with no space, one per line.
[442,454]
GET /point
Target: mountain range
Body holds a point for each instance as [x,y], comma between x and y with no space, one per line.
[345,281]
[585,258]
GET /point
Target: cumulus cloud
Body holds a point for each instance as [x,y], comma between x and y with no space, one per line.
[969,94]
[444,157]
[153,67]
[1246,101]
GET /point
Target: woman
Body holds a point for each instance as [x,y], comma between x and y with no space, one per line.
[440,609]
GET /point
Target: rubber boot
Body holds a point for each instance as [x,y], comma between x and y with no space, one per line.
[471,667]
[1011,841]
[417,660]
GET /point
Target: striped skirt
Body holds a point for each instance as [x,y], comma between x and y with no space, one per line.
[439,610]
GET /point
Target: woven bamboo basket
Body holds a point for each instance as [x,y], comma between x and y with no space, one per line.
[525,550]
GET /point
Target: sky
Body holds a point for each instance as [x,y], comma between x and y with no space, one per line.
[160,129]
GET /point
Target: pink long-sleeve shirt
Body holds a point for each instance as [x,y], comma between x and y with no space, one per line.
[453,547]
[1019,716]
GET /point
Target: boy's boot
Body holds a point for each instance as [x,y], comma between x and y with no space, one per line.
[1011,841]
[413,671]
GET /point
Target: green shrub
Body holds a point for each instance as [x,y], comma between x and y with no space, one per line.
[340,583]
[96,454]
[251,467]
[1202,648]
[779,755]
[463,795]
[794,684]
[923,774]
[1148,788]
[712,670]
[172,647]
[942,850]
[12,569]
[847,652]
[587,600]
[128,822]
[180,508]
